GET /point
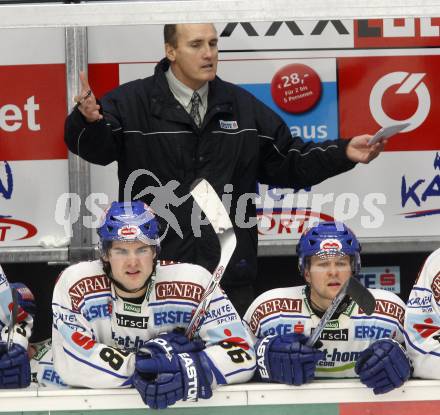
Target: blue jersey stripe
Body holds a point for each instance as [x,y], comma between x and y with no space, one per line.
[82,329]
[241,370]
[218,299]
[173,302]
[224,316]
[220,379]
[91,297]
[264,321]
[421,289]
[94,366]
[65,308]
[393,322]
[418,348]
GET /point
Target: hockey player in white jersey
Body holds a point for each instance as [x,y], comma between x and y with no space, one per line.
[353,344]
[110,316]
[14,361]
[422,320]
[42,373]
[39,354]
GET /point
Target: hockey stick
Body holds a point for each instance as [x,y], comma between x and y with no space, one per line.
[357,292]
[13,320]
[211,205]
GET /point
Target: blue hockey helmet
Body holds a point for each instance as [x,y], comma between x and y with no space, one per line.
[26,298]
[329,238]
[130,221]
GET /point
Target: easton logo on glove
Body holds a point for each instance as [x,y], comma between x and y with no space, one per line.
[261,352]
[162,382]
[286,359]
[191,371]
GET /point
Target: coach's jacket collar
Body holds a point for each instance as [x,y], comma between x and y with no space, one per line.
[166,106]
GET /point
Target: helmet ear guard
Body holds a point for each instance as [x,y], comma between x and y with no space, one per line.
[332,238]
[129,221]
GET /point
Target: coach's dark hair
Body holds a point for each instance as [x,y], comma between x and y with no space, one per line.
[170,34]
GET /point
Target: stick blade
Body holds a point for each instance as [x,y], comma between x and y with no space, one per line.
[211,205]
[361,295]
[209,202]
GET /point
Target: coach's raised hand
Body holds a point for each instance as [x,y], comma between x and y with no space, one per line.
[87,104]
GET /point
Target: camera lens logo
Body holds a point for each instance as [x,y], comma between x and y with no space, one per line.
[408,83]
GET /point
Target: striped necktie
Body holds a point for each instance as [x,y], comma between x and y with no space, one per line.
[194,113]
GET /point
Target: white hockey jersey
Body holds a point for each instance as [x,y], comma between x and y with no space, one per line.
[422,321]
[287,310]
[42,370]
[96,334]
[23,328]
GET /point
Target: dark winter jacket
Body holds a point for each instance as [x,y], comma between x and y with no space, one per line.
[240,142]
